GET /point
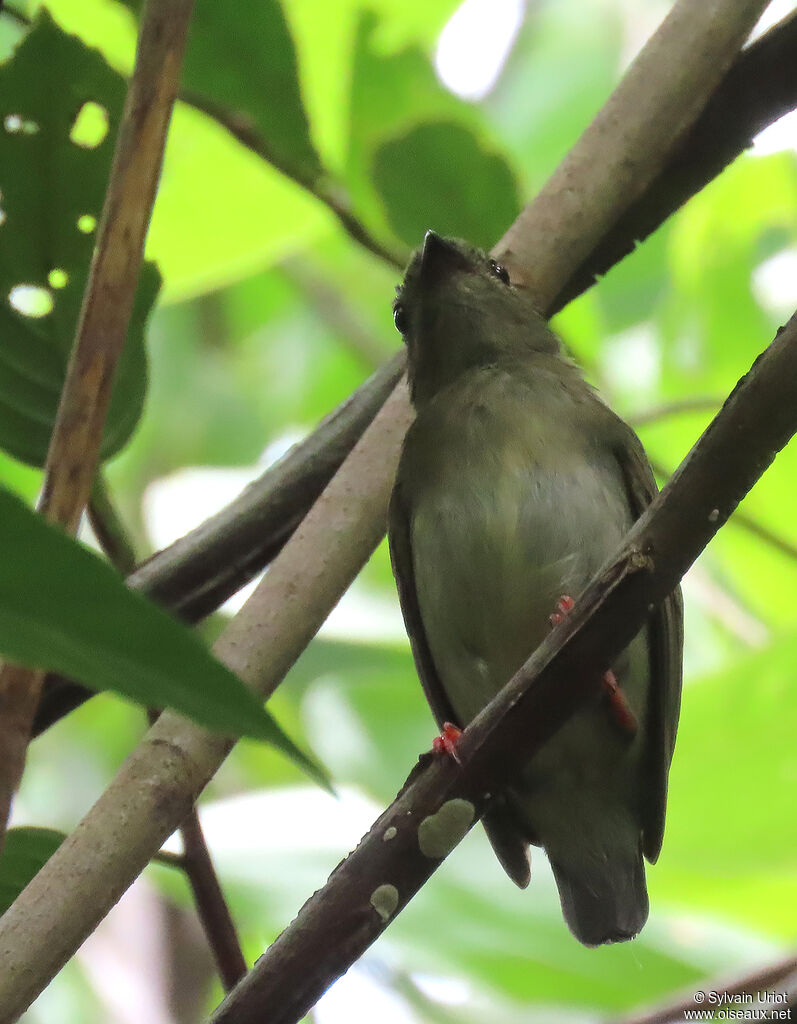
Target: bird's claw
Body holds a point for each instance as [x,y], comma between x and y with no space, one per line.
[446,742]
[564,606]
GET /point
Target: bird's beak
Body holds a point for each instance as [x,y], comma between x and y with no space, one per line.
[439,258]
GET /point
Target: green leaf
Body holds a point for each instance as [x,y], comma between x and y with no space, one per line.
[52,190]
[437,175]
[391,92]
[64,610]
[25,851]
[243,60]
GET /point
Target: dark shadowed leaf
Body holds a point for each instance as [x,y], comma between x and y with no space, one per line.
[438,175]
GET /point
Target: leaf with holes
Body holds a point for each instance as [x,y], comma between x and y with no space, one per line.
[60,106]
[63,609]
[240,59]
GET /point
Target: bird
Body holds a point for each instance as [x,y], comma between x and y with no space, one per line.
[515,484]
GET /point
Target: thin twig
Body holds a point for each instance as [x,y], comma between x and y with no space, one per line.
[772,978]
[746,522]
[328,191]
[679,407]
[325,297]
[375,882]
[108,527]
[102,327]
[759,88]
[211,905]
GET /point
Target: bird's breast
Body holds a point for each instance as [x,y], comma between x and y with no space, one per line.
[510,514]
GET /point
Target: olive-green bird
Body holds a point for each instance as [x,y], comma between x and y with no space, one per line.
[516,484]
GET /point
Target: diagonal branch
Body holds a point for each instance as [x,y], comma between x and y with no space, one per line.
[158,783]
[759,88]
[196,862]
[768,64]
[376,881]
[197,573]
[102,327]
[706,38]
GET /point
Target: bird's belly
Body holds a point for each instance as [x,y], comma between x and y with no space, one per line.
[493,554]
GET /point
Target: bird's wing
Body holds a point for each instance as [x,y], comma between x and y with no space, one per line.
[666,645]
[510,847]
[400,544]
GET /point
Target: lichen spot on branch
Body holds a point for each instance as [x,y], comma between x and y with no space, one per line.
[439,833]
[384,900]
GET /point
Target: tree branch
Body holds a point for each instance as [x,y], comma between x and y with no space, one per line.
[377,880]
[217,922]
[759,88]
[197,573]
[108,528]
[328,191]
[102,327]
[195,862]
[158,783]
[706,38]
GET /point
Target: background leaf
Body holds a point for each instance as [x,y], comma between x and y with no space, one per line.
[25,850]
[437,175]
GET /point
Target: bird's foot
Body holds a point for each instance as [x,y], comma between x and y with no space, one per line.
[564,606]
[446,742]
[620,709]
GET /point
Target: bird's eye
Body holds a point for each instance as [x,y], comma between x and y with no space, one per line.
[400,318]
[499,271]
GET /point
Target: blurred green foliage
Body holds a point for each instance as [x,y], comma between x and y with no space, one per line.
[246,349]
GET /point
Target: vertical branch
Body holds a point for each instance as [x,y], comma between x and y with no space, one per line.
[102,328]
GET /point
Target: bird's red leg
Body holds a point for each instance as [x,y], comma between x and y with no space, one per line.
[446,742]
[563,608]
[618,705]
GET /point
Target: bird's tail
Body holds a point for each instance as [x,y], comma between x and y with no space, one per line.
[603,900]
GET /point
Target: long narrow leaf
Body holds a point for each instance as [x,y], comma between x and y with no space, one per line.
[65,610]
